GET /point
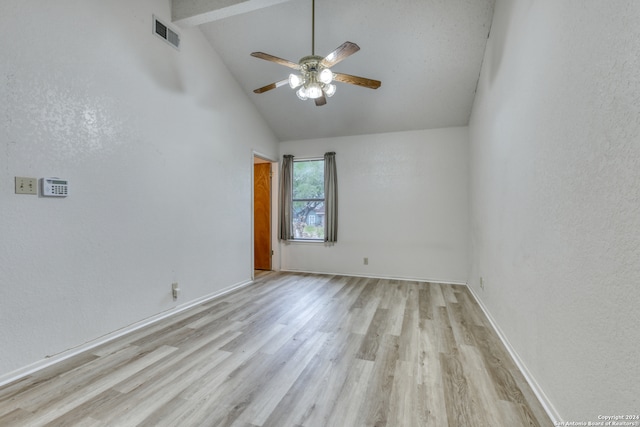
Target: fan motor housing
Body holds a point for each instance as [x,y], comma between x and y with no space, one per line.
[310,63]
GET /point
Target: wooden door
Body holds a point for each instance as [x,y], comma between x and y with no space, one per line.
[262,216]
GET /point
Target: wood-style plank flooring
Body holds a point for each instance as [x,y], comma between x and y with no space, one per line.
[293,350]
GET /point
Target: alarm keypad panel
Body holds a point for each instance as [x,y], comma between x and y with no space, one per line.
[55,187]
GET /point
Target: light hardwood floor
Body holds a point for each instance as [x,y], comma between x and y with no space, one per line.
[293,350]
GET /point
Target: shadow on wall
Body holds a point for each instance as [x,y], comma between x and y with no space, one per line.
[498,38]
[131,41]
[185,71]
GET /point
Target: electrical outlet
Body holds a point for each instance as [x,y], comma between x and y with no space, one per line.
[26,185]
[481,283]
[366,261]
[175,290]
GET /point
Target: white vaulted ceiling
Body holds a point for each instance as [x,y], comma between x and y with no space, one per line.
[427,53]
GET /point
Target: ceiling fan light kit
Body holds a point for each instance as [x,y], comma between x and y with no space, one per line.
[315,78]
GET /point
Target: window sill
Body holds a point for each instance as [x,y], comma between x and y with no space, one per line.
[304,241]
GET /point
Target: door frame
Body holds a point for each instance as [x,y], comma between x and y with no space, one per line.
[275,257]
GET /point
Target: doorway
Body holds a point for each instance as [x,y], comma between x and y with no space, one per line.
[262,251]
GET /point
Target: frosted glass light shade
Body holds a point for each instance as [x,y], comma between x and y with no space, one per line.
[295,80]
[329,90]
[326,76]
[314,91]
[302,93]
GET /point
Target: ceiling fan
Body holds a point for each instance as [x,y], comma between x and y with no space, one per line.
[314,80]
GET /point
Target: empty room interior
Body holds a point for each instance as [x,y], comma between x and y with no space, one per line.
[477,265]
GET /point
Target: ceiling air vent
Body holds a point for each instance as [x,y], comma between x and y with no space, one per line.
[167,34]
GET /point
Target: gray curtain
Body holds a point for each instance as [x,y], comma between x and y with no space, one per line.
[286,188]
[330,198]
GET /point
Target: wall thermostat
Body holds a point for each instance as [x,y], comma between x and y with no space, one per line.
[55,187]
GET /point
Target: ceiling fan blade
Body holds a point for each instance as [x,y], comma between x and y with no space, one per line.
[342,52]
[321,101]
[275,59]
[355,80]
[268,87]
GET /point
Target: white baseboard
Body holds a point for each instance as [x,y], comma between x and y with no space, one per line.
[537,390]
[373,276]
[57,358]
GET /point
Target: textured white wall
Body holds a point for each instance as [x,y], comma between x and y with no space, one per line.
[555,206]
[403,203]
[157,145]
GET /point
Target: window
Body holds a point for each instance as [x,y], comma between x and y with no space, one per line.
[309,187]
[307,214]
